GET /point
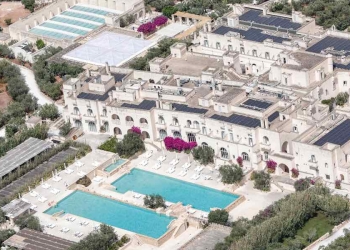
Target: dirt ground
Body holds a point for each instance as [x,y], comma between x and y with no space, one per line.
[5,99]
[13,10]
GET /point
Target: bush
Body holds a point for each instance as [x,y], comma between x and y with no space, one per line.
[5,234]
[154,201]
[203,154]
[48,111]
[168,11]
[160,20]
[262,181]
[147,28]
[109,145]
[178,144]
[219,216]
[271,166]
[85,181]
[302,184]
[29,4]
[295,173]
[40,44]
[231,174]
[240,161]
[130,145]
[8,21]
[136,130]
[28,221]
[338,184]
[65,129]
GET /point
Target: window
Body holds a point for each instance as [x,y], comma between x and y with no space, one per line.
[231,137]
[241,50]
[204,130]
[230,48]
[286,80]
[104,112]
[334,86]
[326,165]
[223,153]
[106,125]
[204,144]
[175,121]
[218,45]
[222,134]
[326,92]
[162,134]
[189,123]
[89,112]
[161,120]
[115,117]
[327,176]
[313,158]
[267,55]
[177,134]
[295,129]
[206,44]
[196,124]
[191,137]
[250,141]
[92,127]
[245,156]
[143,121]
[76,111]
[345,83]
[266,156]
[255,53]
[284,60]
[266,140]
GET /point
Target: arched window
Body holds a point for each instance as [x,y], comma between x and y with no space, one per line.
[196,124]
[92,127]
[117,131]
[175,121]
[161,120]
[89,112]
[177,134]
[115,117]
[78,123]
[129,119]
[266,156]
[143,120]
[230,47]
[204,144]
[162,134]
[218,45]
[76,111]
[106,125]
[223,153]
[266,140]
[189,123]
[255,53]
[104,112]
[245,156]
[191,137]
[204,130]
[145,135]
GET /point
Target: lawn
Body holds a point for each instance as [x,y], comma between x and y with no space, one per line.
[319,222]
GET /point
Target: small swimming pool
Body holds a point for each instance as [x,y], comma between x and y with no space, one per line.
[114,213]
[114,165]
[174,190]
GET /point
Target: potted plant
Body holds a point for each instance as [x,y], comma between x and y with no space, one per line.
[240,161]
[271,166]
[295,173]
[338,184]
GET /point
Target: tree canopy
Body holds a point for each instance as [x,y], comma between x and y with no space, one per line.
[231,174]
[154,201]
[219,216]
[28,221]
[203,154]
[48,111]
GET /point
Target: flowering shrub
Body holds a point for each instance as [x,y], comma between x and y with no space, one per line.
[147,28]
[271,166]
[312,182]
[178,144]
[338,184]
[295,173]
[240,161]
[302,184]
[136,130]
[160,20]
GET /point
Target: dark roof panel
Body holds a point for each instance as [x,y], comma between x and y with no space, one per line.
[185,108]
[338,45]
[338,135]
[251,34]
[257,16]
[144,105]
[118,77]
[94,97]
[256,104]
[239,120]
[273,116]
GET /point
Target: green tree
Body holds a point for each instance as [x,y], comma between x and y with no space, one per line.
[130,145]
[48,111]
[302,184]
[15,109]
[109,145]
[219,216]
[5,52]
[8,21]
[28,221]
[203,154]
[40,44]
[262,181]
[65,129]
[154,201]
[231,174]
[29,4]
[102,239]
[2,216]
[5,234]
[168,11]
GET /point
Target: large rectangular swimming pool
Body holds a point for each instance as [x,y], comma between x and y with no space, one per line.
[114,213]
[174,190]
[114,165]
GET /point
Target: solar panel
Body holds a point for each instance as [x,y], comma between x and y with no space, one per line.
[339,135]
[273,116]
[144,105]
[185,108]
[256,104]
[239,120]
[251,34]
[338,44]
[94,97]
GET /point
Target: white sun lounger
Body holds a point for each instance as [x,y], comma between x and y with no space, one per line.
[54,190]
[144,163]
[33,193]
[98,179]
[46,185]
[68,171]
[96,163]
[174,162]
[79,164]
[158,166]
[81,173]
[57,178]
[51,225]
[191,210]
[186,166]
[207,177]
[199,169]
[42,199]
[149,154]
[65,230]
[33,207]
[161,158]
[195,177]
[182,173]
[171,170]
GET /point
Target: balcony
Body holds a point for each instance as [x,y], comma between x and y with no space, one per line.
[130,123]
[75,116]
[192,129]
[90,117]
[265,147]
[160,125]
[283,155]
[175,125]
[144,125]
[313,165]
[116,121]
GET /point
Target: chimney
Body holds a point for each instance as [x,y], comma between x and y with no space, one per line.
[262,123]
[330,63]
[108,70]
[75,94]
[88,73]
[110,96]
[264,11]
[178,83]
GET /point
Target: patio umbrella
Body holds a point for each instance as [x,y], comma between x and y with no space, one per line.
[65,166]
[42,181]
[19,196]
[29,188]
[56,172]
[53,174]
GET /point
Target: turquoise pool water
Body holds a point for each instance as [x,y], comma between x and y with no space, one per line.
[115,165]
[74,22]
[64,28]
[90,10]
[53,34]
[83,16]
[114,213]
[173,190]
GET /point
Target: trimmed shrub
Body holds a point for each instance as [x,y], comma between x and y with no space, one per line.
[231,174]
[302,184]
[271,166]
[85,181]
[154,201]
[219,216]
[295,173]
[262,181]
[204,155]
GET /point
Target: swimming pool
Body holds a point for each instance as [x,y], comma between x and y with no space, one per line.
[114,165]
[174,190]
[114,213]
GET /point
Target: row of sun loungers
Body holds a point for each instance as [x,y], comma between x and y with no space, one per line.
[70,218]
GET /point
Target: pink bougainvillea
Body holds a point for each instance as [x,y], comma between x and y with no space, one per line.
[178,144]
[240,161]
[147,28]
[338,184]
[271,166]
[160,20]
[136,130]
[295,172]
